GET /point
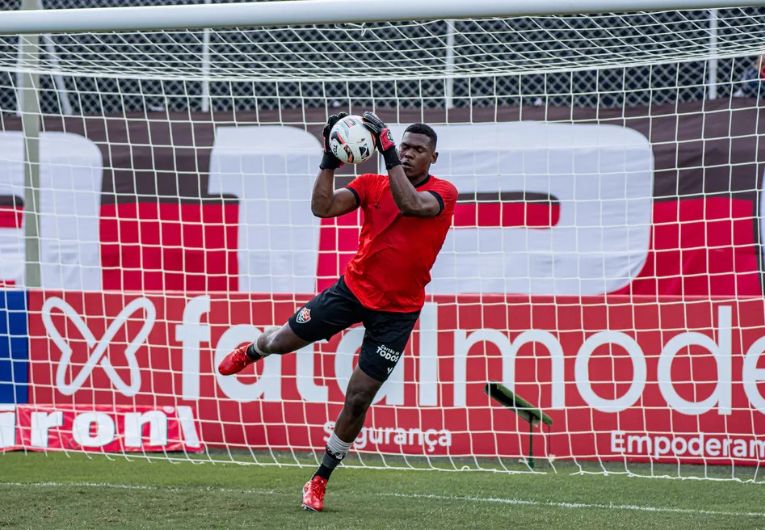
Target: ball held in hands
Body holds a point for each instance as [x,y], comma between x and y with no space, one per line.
[383,138]
[350,141]
[331,121]
[329,160]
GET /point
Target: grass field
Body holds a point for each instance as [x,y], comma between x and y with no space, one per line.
[58,490]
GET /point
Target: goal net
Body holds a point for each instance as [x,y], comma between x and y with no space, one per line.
[604,264]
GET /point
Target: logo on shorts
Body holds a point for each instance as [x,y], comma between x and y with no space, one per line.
[303,316]
[389,354]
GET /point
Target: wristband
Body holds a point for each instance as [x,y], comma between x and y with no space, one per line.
[330,161]
[391,158]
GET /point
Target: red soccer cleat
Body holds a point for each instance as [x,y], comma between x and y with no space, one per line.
[236,361]
[313,494]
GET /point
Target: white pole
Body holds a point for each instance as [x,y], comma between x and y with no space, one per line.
[19,78]
[29,105]
[712,63]
[206,68]
[63,93]
[449,88]
[319,12]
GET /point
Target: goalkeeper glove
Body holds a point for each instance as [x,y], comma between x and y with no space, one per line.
[383,139]
[329,160]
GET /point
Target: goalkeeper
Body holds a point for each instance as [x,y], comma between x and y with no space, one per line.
[407,214]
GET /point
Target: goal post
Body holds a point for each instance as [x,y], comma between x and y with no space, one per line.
[605,258]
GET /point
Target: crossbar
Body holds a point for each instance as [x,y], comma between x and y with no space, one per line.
[302,12]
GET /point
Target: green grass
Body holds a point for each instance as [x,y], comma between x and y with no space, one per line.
[65,491]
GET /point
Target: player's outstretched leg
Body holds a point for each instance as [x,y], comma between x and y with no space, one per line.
[274,339]
[359,396]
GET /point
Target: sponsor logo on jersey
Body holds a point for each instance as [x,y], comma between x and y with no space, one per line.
[303,316]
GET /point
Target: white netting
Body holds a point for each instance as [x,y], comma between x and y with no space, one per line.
[411,50]
[616,77]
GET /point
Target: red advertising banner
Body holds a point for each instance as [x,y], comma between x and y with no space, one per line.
[98,428]
[662,378]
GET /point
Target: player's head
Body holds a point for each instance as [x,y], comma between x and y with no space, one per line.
[418,150]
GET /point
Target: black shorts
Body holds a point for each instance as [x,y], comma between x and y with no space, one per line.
[336,308]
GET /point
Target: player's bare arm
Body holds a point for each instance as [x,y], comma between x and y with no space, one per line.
[407,167]
[408,199]
[325,200]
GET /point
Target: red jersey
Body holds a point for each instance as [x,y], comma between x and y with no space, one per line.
[396,252]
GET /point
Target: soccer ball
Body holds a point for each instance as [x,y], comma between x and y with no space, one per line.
[350,141]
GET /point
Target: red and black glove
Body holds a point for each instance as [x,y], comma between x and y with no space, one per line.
[329,160]
[383,139]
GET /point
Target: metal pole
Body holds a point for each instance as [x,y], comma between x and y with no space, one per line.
[19,79]
[63,93]
[531,445]
[206,68]
[29,104]
[449,88]
[712,63]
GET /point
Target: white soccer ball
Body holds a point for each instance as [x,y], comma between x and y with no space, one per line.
[350,141]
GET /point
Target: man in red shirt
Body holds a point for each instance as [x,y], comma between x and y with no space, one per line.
[407,214]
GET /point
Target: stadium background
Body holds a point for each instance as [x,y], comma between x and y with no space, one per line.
[708,267]
[604,88]
[705,230]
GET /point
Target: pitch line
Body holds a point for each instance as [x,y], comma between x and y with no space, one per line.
[461,498]
[573,505]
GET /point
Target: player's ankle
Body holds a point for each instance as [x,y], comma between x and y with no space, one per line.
[323,472]
[254,353]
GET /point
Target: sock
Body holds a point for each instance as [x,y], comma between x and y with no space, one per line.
[254,353]
[333,455]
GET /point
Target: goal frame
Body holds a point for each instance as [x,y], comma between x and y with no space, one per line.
[32,26]
[298,12]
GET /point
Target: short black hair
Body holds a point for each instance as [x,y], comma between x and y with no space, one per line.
[427,130]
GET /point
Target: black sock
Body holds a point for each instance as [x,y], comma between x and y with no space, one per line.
[328,465]
[252,354]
